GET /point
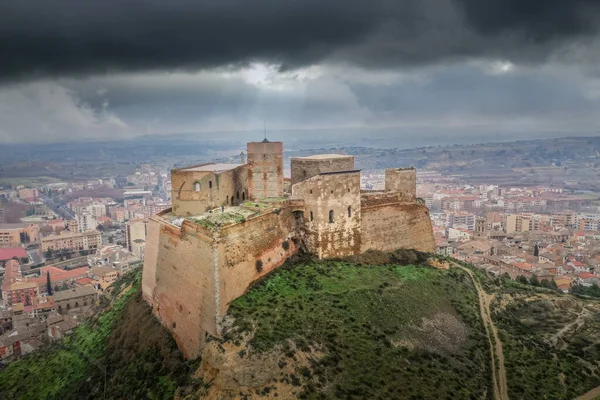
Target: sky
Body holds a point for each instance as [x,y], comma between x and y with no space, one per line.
[108,70]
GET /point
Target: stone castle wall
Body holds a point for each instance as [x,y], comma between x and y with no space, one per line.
[191,274]
[225,188]
[339,194]
[387,227]
[265,172]
[402,180]
[182,289]
[252,249]
[307,167]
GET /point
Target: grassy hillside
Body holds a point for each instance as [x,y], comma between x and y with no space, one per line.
[393,331]
[139,356]
[380,326]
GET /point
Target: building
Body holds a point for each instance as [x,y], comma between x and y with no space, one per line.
[480,232]
[116,257]
[135,230]
[29,195]
[16,289]
[17,253]
[103,276]
[231,224]
[86,222]
[13,235]
[59,278]
[72,241]
[78,297]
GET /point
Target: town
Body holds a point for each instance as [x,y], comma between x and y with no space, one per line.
[62,244]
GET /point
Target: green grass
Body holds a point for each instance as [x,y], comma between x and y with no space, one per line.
[362,317]
[140,357]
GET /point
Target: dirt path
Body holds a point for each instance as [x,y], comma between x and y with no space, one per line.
[591,395]
[498,371]
[578,323]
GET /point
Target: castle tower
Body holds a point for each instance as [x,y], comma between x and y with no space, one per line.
[480,229]
[265,169]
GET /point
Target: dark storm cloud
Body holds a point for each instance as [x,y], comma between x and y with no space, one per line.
[68,37]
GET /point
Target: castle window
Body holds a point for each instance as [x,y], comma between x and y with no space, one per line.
[310,191]
[227,199]
[210,184]
[243,196]
[331,216]
[311,216]
[196,186]
[349,211]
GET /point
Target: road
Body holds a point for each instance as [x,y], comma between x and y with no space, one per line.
[63,211]
[498,371]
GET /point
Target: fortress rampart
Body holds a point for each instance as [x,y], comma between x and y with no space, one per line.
[207,250]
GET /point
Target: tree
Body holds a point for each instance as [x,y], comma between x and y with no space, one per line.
[24,260]
[536,251]
[65,285]
[522,279]
[48,253]
[534,280]
[100,228]
[48,283]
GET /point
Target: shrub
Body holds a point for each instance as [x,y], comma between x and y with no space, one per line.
[259,265]
[285,245]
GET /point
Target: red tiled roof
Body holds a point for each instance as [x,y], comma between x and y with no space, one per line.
[84,281]
[10,252]
[586,275]
[57,274]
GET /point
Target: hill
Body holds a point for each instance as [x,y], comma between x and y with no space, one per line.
[386,326]
[121,353]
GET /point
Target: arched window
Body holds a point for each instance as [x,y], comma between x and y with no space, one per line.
[196,186]
[243,196]
[331,216]
[210,184]
[349,211]
[227,199]
[310,191]
[311,216]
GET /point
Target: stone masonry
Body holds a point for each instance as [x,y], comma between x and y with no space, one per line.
[200,257]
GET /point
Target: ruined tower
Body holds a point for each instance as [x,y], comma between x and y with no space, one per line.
[265,169]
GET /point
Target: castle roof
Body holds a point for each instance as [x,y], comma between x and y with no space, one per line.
[324,156]
[212,167]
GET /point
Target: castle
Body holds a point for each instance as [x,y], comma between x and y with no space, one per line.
[231,224]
